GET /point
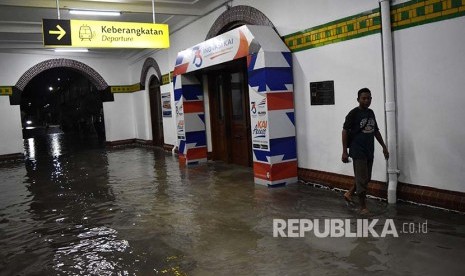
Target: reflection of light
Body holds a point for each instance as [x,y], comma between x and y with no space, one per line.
[92,253]
[29,122]
[31,147]
[56,148]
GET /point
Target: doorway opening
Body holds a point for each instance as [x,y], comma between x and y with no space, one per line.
[63,101]
[228,95]
[61,112]
[156,112]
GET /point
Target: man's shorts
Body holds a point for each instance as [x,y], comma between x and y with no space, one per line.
[362,173]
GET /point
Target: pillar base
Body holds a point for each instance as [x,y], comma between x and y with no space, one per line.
[276,183]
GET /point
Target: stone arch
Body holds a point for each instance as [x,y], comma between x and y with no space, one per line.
[86,70]
[237,16]
[148,63]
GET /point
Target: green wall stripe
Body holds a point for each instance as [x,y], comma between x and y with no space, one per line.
[336,31]
[126,88]
[167,78]
[422,12]
[405,15]
[6,90]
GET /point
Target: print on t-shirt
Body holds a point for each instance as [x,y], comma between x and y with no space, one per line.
[369,127]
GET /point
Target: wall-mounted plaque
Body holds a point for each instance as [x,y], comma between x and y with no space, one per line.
[322,93]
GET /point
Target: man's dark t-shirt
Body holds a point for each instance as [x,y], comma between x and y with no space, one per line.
[362,126]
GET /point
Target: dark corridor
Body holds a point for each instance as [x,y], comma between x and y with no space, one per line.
[62,100]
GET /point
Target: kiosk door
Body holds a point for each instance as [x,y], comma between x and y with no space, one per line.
[230,115]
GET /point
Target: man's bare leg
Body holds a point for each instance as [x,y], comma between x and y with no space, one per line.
[348,195]
[363,203]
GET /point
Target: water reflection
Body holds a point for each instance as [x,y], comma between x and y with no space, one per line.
[55,144]
[72,209]
[30,149]
[68,199]
[94,254]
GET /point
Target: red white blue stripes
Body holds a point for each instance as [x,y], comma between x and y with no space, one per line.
[271,98]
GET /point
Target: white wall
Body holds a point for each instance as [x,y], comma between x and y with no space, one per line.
[352,65]
[430,66]
[141,106]
[141,101]
[119,118]
[113,71]
[11,135]
[191,35]
[306,14]
[142,122]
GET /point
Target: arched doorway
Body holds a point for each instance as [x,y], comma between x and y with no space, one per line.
[237,16]
[62,100]
[156,112]
[228,92]
[84,69]
[67,76]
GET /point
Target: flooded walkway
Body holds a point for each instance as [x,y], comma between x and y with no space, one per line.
[74,210]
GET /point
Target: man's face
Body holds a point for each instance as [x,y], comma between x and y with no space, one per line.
[364,100]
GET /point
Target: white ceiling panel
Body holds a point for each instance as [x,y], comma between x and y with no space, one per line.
[21,21]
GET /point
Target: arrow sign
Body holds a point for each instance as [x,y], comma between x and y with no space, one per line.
[61,32]
[104,34]
[56,32]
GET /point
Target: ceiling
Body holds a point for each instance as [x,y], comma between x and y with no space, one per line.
[21,20]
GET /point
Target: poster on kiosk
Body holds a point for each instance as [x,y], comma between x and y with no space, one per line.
[259,121]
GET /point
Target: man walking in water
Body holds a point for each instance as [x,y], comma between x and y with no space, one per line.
[358,133]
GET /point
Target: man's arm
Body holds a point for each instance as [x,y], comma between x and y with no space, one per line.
[379,138]
[345,155]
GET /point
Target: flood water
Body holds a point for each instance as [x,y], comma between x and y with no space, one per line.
[76,208]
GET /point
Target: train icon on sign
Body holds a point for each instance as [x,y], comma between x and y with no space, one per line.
[85,32]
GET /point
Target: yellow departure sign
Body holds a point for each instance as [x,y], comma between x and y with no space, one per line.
[104,34]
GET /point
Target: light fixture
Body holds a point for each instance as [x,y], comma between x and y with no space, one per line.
[73,50]
[95,12]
